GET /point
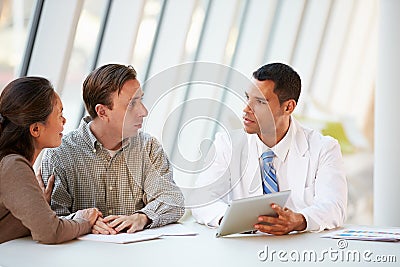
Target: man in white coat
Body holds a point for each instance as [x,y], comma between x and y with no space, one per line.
[304,161]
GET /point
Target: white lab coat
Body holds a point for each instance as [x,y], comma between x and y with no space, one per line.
[315,176]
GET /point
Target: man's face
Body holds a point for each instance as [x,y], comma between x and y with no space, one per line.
[263,109]
[128,110]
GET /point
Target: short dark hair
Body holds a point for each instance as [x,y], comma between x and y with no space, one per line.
[102,82]
[24,101]
[287,81]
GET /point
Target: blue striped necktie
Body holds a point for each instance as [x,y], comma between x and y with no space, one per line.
[270,184]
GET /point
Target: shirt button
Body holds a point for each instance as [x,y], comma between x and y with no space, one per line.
[110,212]
[111,188]
[94,150]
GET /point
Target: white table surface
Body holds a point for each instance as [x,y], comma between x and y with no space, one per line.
[201,250]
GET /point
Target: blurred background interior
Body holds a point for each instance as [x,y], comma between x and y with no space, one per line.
[331,43]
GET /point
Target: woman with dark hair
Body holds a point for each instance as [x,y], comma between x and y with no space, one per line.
[31,119]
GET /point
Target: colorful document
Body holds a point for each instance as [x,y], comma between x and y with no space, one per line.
[368,234]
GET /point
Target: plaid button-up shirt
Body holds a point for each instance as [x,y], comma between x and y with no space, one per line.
[138,178]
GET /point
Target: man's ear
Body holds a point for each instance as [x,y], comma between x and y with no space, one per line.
[35,129]
[290,105]
[101,111]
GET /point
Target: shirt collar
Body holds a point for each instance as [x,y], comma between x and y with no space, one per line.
[89,137]
[84,129]
[281,149]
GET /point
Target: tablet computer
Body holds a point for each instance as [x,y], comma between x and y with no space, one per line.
[242,214]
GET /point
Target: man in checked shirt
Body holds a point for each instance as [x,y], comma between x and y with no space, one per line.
[109,164]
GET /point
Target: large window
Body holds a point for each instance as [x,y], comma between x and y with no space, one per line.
[15,18]
[82,59]
[331,43]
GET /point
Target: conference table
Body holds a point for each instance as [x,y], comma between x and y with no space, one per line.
[204,249]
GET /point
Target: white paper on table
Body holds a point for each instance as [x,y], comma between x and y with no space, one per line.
[174,229]
[122,238]
[367,234]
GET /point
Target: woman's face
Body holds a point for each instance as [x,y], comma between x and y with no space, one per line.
[51,132]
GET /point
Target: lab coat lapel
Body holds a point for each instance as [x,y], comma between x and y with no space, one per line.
[253,174]
[298,162]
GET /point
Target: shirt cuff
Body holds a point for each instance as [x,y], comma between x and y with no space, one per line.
[154,217]
[219,209]
[312,226]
